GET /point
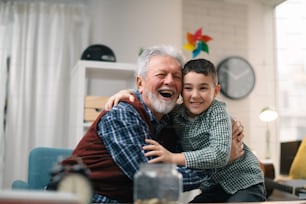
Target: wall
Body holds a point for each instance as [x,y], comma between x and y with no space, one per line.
[238,27]
[246,29]
[127,26]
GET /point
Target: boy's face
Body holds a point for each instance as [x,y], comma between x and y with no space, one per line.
[198,92]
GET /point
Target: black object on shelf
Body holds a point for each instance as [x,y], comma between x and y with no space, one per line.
[98,52]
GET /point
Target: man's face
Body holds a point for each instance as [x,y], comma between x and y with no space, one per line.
[162,85]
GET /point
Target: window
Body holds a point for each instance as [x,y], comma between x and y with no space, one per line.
[291,62]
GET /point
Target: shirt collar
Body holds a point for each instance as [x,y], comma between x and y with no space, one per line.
[182,112]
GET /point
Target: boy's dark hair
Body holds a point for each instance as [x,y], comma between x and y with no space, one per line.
[201,66]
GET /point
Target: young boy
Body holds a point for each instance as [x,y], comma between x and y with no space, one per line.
[204,130]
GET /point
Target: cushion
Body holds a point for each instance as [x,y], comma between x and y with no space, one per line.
[298,166]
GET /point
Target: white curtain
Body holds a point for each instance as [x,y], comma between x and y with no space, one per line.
[47,39]
[4,53]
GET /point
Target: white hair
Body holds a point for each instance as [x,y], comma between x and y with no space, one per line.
[158,50]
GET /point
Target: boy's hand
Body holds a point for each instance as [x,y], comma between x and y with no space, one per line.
[156,150]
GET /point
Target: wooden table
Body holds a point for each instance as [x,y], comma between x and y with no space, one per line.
[274,202]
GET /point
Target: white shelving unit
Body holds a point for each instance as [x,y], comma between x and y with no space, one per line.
[95,78]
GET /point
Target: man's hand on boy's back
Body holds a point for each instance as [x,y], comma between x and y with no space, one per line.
[237,140]
[114,99]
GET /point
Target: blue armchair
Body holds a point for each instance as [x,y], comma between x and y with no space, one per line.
[41,161]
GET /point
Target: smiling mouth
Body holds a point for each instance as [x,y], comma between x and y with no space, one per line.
[166,93]
[196,103]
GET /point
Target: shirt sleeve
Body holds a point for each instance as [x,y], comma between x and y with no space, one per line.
[217,153]
[123,133]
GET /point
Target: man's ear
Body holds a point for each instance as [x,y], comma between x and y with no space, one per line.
[139,83]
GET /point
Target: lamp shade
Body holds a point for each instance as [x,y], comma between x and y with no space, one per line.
[268,114]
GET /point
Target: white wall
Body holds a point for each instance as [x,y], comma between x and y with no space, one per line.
[128,25]
[238,27]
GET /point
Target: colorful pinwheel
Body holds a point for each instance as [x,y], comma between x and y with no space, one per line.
[197,42]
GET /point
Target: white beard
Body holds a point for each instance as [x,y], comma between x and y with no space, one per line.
[159,106]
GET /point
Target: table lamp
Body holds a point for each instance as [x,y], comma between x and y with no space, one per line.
[267,115]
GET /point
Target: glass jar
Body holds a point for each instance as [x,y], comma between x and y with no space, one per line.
[157,184]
